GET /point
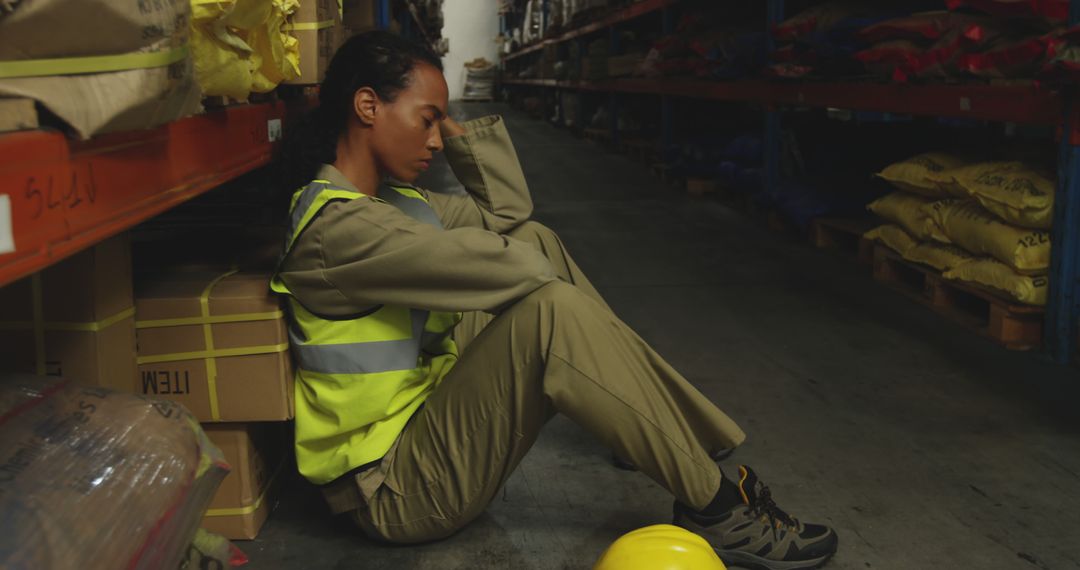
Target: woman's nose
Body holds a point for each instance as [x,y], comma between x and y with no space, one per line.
[434,143]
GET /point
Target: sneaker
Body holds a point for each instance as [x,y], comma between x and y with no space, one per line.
[757,534]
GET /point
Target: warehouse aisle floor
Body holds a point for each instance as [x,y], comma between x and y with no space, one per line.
[924,445]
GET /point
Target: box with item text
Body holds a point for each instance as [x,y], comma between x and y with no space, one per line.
[216,343]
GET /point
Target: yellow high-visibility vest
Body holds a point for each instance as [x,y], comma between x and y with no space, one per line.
[360,378]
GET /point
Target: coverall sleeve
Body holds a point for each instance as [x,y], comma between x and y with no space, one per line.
[358,254]
[485,162]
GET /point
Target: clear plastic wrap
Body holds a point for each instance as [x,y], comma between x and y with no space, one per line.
[91,478]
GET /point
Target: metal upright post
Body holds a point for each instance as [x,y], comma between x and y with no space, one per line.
[613,97]
[383,14]
[1063,303]
[666,137]
[772,145]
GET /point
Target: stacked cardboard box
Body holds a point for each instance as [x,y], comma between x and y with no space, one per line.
[211,339]
[74,319]
[215,340]
[317,25]
[257,453]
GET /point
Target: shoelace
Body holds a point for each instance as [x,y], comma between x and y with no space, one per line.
[764,505]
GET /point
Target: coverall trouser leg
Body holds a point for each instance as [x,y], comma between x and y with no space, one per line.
[558,350]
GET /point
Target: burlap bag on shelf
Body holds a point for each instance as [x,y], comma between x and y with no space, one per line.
[909,212]
[939,256]
[969,226]
[920,174]
[1013,191]
[892,236]
[1030,290]
[107,65]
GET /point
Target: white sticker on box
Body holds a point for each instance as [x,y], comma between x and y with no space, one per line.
[273,129]
[7,236]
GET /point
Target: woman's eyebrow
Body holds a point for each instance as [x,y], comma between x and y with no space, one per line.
[438,112]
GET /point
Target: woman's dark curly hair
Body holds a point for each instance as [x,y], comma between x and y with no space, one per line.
[376,59]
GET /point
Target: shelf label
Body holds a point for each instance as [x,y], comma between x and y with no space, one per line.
[7,236]
[273,129]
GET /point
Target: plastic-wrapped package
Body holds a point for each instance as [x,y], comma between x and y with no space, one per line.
[91,478]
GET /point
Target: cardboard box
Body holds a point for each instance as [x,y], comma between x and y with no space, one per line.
[85,312]
[317,26]
[256,452]
[215,342]
[358,16]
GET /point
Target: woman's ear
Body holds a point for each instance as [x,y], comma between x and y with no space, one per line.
[365,103]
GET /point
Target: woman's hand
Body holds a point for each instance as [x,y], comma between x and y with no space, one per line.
[448,128]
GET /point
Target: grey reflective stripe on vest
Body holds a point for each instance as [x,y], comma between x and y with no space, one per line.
[361,357]
[307,198]
[415,208]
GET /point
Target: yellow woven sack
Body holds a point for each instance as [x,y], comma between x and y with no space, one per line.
[1011,190]
[920,174]
[240,46]
[1024,288]
[939,256]
[221,56]
[971,227]
[892,236]
[275,54]
[909,212]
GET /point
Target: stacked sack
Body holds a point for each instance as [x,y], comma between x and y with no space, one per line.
[977,222]
[988,39]
[243,46]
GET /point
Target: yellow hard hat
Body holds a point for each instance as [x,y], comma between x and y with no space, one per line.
[660,547]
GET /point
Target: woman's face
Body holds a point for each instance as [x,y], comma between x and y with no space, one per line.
[405,133]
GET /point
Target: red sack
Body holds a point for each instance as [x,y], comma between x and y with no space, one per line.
[940,60]
[892,59]
[1018,59]
[1051,9]
[928,26]
[1063,62]
[815,20]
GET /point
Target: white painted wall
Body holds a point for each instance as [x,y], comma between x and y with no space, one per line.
[471,27]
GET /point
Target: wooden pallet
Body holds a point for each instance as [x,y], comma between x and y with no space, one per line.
[639,150]
[666,173]
[845,234]
[596,135]
[1010,324]
[699,187]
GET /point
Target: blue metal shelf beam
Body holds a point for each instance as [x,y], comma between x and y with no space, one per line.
[1063,304]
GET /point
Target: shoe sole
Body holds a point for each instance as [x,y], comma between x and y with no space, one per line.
[746,560]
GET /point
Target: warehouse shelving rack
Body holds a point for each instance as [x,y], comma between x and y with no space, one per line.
[59,196]
[1037,105]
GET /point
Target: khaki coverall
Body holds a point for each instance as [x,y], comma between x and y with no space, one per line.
[536,339]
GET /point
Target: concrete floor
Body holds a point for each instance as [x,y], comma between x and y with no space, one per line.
[924,445]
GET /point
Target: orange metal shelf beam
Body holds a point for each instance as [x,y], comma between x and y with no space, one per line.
[628,13]
[64,196]
[1018,104]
